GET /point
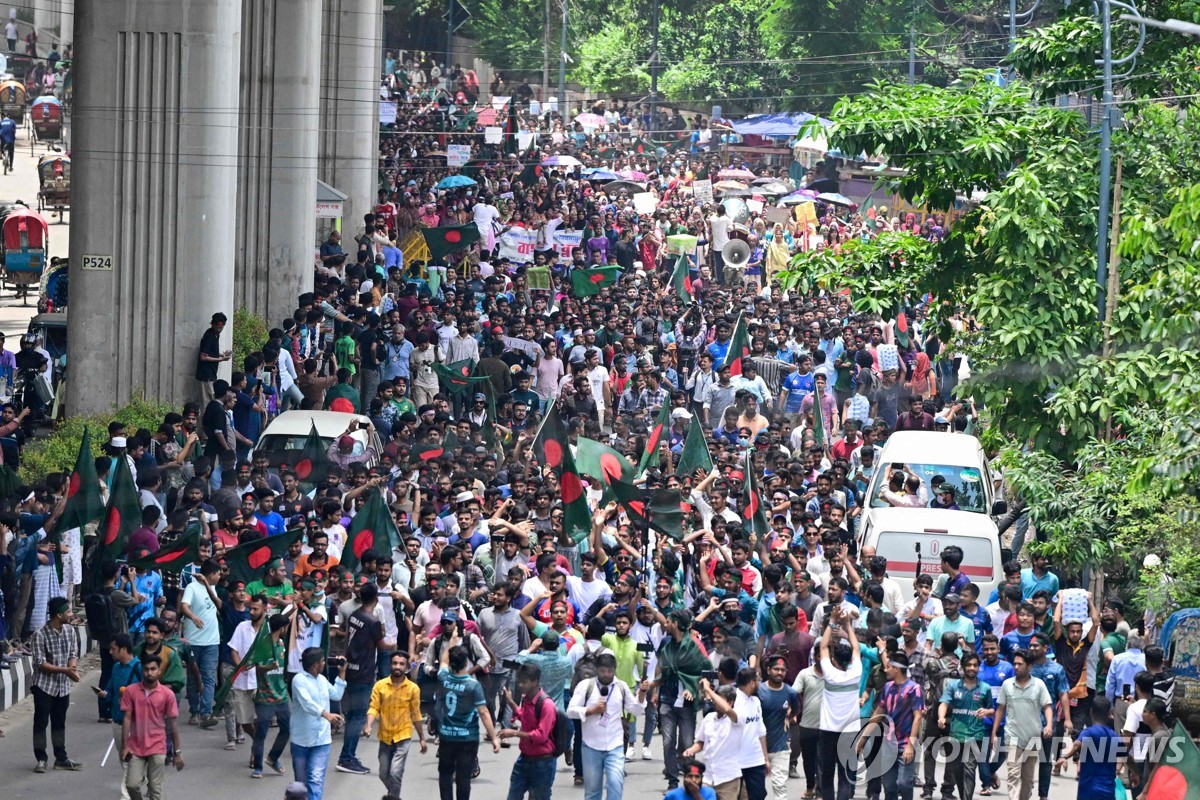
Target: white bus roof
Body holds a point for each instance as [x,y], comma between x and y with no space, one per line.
[932,447]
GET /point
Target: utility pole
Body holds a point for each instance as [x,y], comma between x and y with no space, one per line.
[450,34]
[562,69]
[1106,106]
[912,44]
[546,55]
[653,71]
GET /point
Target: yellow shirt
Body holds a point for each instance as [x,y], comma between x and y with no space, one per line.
[396,708]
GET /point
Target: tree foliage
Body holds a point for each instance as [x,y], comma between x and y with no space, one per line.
[880,273]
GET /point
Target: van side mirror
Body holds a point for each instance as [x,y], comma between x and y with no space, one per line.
[999,508]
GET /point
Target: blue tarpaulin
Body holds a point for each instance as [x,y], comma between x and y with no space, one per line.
[776,126]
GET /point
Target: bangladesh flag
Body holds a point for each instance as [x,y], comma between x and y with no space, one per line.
[551,448]
[739,347]
[662,427]
[371,529]
[450,239]
[660,509]
[604,465]
[695,453]
[262,651]
[901,327]
[172,558]
[456,378]
[754,517]
[84,504]
[313,464]
[818,412]
[588,282]
[1177,776]
[248,561]
[122,516]
[681,279]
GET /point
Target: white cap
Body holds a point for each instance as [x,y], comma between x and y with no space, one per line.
[681,413]
[1151,561]
[118,441]
[366,286]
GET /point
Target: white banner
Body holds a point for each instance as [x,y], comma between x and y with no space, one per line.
[457,155]
[387,112]
[702,191]
[518,245]
[499,102]
[493,135]
[645,202]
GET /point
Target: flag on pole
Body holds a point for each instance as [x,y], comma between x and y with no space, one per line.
[739,347]
[1177,776]
[450,239]
[552,449]
[313,464]
[695,454]
[248,561]
[659,509]
[456,378]
[900,324]
[588,282]
[754,517]
[372,527]
[604,465]
[262,651]
[172,558]
[122,516]
[681,279]
[658,434]
[84,504]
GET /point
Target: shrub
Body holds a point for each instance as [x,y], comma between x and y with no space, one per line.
[249,336]
[58,451]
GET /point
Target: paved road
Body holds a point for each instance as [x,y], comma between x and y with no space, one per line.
[22,184]
[212,771]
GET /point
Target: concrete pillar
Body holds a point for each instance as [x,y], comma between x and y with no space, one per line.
[154,187]
[277,169]
[351,66]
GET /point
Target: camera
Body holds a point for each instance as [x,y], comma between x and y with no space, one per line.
[510,663]
[335,661]
[709,675]
[645,647]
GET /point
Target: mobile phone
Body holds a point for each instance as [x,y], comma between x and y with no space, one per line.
[709,675]
[645,647]
[335,661]
[510,663]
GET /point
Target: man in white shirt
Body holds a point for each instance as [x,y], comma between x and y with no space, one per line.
[893,597]
[587,588]
[841,668]
[597,375]
[718,226]
[720,739]
[601,704]
[752,749]
[245,684]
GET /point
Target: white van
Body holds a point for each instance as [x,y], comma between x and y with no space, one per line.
[955,457]
[912,540]
[284,437]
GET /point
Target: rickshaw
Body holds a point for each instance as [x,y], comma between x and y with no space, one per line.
[47,116]
[54,173]
[12,100]
[25,235]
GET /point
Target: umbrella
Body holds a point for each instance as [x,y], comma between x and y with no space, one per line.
[632,175]
[823,185]
[784,182]
[735,193]
[562,161]
[835,198]
[597,174]
[772,190]
[616,187]
[434,154]
[591,120]
[730,186]
[736,174]
[454,182]
[794,200]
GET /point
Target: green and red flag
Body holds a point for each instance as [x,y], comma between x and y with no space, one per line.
[695,454]
[247,562]
[754,516]
[262,651]
[818,412]
[681,279]
[84,503]
[739,347]
[587,282]
[173,557]
[662,510]
[1177,776]
[456,378]
[658,435]
[371,529]
[604,465]
[122,516]
[552,449]
[450,239]
[312,465]
[900,326]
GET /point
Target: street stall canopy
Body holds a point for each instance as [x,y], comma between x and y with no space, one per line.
[775,126]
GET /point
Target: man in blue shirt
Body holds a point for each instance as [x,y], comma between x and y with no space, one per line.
[1123,669]
[1038,576]
[693,787]
[1054,676]
[266,513]
[993,671]
[8,138]
[720,348]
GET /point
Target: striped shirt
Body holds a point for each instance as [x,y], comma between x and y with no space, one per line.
[58,648]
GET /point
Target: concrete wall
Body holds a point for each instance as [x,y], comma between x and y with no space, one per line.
[351,68]
[277,168]
[155,181]
[16,682]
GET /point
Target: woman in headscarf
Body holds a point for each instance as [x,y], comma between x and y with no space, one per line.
[923,383]
[779,254]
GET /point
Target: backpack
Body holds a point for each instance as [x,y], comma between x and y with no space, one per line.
[100,612]
[564,730]
[585,667]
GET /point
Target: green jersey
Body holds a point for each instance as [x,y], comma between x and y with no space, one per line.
[272,685]
[964,701]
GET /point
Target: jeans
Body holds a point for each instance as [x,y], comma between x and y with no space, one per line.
[934,744]
[206,661]
[354,708]
[493,685]
[383,663]
[535,776]
[605,769]
[961,767]
[370,388]
[456,761]
[264,713]
[1050,748]
[1020,533]
[53,710]
[292,396]
[648,721]
[832,769]
[308,766]
[809,759]
[152,770]
[104,704]
[392,759]
[898,781]
[679,731]
[754,781]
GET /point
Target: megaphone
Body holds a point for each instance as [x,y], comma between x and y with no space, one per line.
[736,253]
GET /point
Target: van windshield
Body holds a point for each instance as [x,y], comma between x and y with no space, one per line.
[968,482]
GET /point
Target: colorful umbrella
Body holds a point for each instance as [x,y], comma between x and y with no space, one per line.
[736,174]
[836,199]
[455,182]
[596,174]
[632,175]
[731,186]
[562,161]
